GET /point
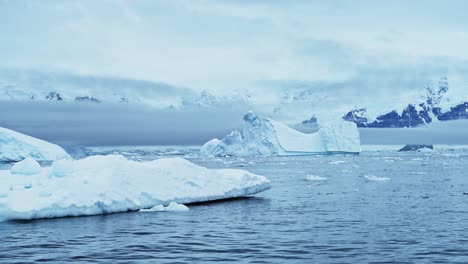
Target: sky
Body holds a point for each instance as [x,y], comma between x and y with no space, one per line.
[367,46]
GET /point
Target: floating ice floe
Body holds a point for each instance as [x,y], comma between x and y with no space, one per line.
[110,184]
[265,137]
[337,162]
[376,178]
[15,146]
[315,178]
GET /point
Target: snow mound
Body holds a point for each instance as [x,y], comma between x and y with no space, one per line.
[109,184]
[172,207]
[28,166]
[265,137]
[15,146]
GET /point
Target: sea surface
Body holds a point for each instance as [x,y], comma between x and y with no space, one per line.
[382,206]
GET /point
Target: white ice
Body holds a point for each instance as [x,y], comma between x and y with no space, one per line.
[28,166]
[172,207]
[315,178]
[376,178]
[15,146]
[109,184]
[262,136]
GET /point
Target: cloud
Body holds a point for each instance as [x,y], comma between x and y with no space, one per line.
[226,45]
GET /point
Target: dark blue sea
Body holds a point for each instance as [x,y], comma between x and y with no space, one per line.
[379,207]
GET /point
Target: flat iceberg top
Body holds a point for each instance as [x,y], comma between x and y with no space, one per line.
[15,146]
[109,184]
[262,136]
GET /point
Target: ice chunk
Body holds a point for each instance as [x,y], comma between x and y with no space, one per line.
[172,207]
[28,166]
[15,146]
[337,162]
[108,184]
[265,137]
[376,178]
[315,178]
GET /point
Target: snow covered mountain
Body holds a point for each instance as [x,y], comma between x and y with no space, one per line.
[414,115]
[285,101]
[27,85]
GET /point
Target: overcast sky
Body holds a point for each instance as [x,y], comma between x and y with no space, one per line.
[208,44]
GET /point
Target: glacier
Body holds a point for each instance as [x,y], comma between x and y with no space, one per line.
[262,136]
[15,146]
[110,184]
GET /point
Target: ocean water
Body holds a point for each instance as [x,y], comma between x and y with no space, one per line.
[382,206]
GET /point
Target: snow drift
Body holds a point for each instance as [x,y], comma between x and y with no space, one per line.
[265,137]
[109,184]
[15,146]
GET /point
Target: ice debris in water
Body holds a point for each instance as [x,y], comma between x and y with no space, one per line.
[337,162]
[376,178]
[110,184]
[315,178]
[28,166]
[172,207]
[262,136]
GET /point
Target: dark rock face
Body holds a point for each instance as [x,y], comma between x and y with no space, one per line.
[357,116]
[312,122]
[308,126]
[410,117]
[416,147]
[54,96]
[86,99]
[459,111]
[413,115]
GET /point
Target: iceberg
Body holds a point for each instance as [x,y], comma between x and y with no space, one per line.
[15,146]
[262,136]
[110,184]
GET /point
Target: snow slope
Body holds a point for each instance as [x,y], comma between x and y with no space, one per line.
[109,184]
[265,137]
[15,146]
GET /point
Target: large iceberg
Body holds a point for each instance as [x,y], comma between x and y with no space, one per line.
[265,137]
[15,146]
[109,184]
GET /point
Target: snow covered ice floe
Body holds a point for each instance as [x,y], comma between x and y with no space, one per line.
[265,137]
[110,184]
[15,146]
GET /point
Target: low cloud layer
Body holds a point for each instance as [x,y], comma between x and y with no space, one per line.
[228,44]
[117,124]
[114,124]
